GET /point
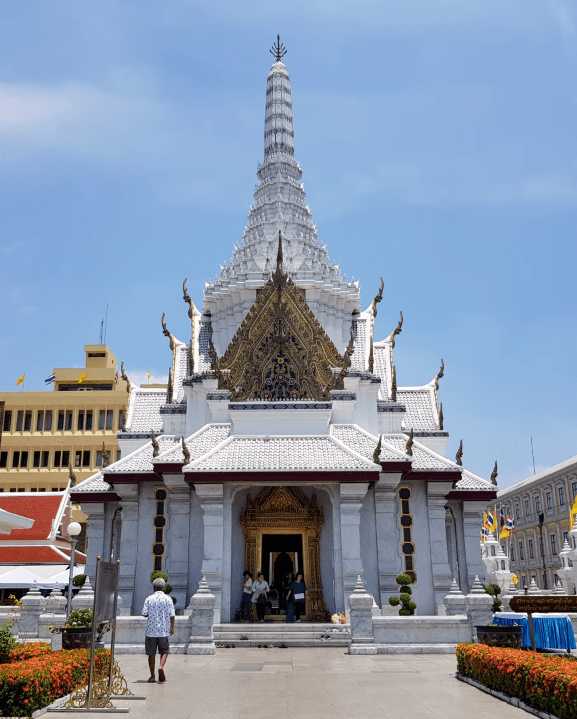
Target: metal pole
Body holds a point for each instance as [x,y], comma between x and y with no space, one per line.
[113,638]
[88,704]
[531,631]
[73,541]
[542,550]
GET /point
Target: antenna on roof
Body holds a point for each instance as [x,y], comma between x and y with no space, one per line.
[105,324]
[533,455]
[101,330]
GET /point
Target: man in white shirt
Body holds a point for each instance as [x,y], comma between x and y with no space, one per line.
[159,608]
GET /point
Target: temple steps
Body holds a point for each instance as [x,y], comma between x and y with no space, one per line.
[306,634]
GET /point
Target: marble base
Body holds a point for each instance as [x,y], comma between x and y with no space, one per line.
[201,648]
[363,649]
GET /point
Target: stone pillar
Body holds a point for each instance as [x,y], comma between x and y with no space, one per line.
[479,605]
[455,601]
[212,502]
[128,546]
[32,607]
[360,606]
[85,597]
[436,501]
[178,536]
[388,535]
[54,614]
[350,504]
[472,523]
[96,512]
[202,605]
[463,578]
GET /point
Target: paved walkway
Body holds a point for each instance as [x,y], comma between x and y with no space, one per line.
[306,683]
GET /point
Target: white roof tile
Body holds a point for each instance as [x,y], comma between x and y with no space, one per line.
[204,334]
[146,410]
[423,457]
[364,443]
[141,459]
[358,358]
[198,444]
[421,411]
[182,368]
[470,482]
[96,483]
[280,453]
[381,362]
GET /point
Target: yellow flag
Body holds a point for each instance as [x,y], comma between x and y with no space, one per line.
[20,380]
[504,533]
[82,377]
[515,580]
[573,509]
[147,374]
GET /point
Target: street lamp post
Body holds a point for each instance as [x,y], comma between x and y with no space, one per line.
[73,530]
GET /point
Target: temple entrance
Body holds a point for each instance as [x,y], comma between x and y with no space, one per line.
[281,554]
[282,528]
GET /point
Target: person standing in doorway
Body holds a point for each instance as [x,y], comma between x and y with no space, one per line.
[246,605]
[286,591]
[159,608]
[296,606]
[260,597]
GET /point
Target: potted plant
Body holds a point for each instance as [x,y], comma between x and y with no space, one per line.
[404,599]
[500,635]
[77,634]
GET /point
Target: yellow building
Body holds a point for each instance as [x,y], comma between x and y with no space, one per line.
[43,433]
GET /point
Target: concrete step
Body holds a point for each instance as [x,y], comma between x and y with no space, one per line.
[306,634]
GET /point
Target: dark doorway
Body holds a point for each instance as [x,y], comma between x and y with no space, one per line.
[281,553]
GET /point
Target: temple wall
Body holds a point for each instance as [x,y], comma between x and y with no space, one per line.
[195,545]
[422,589]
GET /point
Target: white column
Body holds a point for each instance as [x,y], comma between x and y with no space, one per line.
[178,536]
[128,545]
[472,522]
[388,535]
[436,501]
[95,534]
[352,496]
[212,502]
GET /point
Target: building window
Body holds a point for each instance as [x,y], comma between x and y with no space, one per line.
[69,420]
[101,419]
[60,420]
[527,508]
[3,459]
[57,458]
[518,512]
[7,421]
[48,420]
[45,456]
[574,490]
[548,498]
[78,458]
[36,460]
[80,422]
[86,458]
[118,455]
[20,421]
[15,459]
[561,491]
[65,459]
[88,420]
[521,554]
[24,459]
[553,544]
[99,458]
[512,552]
[120,416]
[27,421]
[531,553]
[40,420]
[109,418]
[537,503]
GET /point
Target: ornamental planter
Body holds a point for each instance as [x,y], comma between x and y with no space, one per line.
[76,637]
[500,636]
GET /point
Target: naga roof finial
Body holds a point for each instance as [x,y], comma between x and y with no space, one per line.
[494,474]
[459,455]
[155,445]
[185,452]
[278,49]
[377,452]
[440,374]
[409,444]
[378,298]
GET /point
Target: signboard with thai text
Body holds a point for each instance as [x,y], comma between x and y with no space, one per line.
[105,592]
[531,603]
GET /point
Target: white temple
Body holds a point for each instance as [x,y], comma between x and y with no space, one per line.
[283,440]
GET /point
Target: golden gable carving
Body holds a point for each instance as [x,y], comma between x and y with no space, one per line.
[280,352]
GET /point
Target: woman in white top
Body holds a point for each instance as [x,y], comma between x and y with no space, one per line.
[246,606]
[260,597]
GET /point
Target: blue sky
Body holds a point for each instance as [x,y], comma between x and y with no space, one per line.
[438,143]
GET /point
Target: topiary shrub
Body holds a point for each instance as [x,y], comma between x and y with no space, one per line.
[79,580]
[404,599]
[494,590]
[161,575]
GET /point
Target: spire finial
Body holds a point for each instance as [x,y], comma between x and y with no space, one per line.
[278,49]
[279,257]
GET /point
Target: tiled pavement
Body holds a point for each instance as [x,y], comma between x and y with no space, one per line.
[306,683]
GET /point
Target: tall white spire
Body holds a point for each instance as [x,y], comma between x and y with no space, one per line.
[280,204]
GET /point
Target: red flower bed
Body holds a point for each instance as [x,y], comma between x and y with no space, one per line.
[34,683]
[28,651]
[545,682]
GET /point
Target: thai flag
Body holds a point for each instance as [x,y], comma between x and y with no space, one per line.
[50,379]
[510,524]
[490,518]
[116,378]
[501,520]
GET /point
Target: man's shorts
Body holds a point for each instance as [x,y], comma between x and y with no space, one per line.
[151,644]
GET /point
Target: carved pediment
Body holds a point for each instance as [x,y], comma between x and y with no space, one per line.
[280,351]
[277,502]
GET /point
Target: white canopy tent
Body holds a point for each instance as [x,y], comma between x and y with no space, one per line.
[46,576]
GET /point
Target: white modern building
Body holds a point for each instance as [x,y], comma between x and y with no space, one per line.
[541,507]
[283,441]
